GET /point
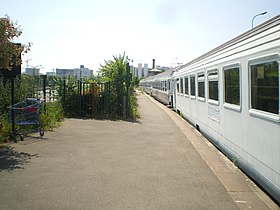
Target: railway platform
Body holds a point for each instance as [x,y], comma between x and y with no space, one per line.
[157,162]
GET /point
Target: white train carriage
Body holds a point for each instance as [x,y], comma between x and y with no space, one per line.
[146,84]
[231,94]
[159,86]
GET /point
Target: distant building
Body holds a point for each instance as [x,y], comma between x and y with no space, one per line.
[32,71]
[134,71]
[83,72]
[140,70]
[52,73]
[145,70]
[64,72]
[78,73]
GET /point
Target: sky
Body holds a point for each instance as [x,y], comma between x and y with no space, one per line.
[70,33]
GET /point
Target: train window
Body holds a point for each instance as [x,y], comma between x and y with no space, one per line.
[265,86]
[213,86]
[187,85]
[181,85]
[168,84]
[177,85]
[232,85]
[201,86]
[192,85]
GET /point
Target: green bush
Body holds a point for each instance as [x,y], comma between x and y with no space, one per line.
[133,107]
[26,86]
[51,115]
[115,71]
[5,129]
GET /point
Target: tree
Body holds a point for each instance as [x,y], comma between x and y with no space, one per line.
[114,71]
[9,51]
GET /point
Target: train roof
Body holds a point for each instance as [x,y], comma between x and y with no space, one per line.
[253,32]
[164,75]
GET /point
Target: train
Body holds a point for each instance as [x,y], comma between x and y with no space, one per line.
[231,95]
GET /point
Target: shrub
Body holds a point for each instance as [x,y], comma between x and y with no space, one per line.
[51,115]
[5,129]
[26,86]
[115,71]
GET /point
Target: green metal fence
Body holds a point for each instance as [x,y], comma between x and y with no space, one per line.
[85,99]
[78,98]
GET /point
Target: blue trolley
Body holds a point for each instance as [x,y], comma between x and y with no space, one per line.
[26,115]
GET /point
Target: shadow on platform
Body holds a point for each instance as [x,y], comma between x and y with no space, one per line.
[11,159]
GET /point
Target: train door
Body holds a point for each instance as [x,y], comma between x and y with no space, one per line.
[213,94]
[172,83]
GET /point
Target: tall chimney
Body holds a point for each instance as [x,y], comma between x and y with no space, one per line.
[154,63]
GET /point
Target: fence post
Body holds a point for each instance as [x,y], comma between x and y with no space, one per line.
[84,99]
[109,95]
[44,77]
[124,107]
[127,88]
[12,110]
[64,93]
[80,102]
[44,90]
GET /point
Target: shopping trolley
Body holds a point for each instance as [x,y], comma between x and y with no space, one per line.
[26,115]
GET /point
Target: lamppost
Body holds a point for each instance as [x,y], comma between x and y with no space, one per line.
[263,13]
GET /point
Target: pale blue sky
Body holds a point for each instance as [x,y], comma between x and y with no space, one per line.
[68,33]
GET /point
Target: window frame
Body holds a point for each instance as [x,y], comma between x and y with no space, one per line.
[227,105]
[256,112]
[213,78]
[192,96]
[182,86]
[168,85]
[199,79]
[186,94]
[178,85]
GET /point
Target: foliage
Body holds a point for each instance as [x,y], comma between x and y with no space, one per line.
[135,81]
[108,97]
[68,95]
[115,72]
[10,52]
[51,115]
[5,96]
[5,128]
[133,111]
[27,86]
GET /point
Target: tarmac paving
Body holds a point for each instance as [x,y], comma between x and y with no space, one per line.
[158,162]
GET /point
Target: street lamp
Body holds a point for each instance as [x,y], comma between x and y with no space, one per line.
[263,13]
